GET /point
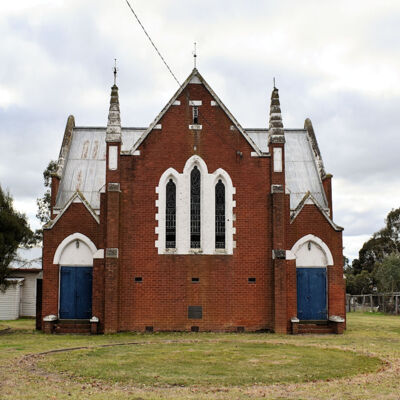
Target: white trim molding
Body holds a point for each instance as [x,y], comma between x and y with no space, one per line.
[207,207]
[317,241]
[77,197]
[68,240]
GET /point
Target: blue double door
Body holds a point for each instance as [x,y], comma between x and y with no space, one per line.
[76,292]
[311,294]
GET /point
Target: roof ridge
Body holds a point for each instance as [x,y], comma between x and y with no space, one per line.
[196,73]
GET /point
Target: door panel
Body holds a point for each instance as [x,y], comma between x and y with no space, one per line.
[76,292]
[67,293]
[83,292]
[311,294]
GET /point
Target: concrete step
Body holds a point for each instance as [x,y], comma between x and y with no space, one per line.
[73,326]
[315,328]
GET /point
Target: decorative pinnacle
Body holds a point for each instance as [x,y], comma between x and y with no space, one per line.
[113,132]
[275,116]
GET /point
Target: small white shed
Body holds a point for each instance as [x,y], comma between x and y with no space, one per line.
[10,299]
[19,299]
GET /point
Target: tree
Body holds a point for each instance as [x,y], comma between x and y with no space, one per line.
[44,202]
[372,254]
[14,232]
[388,274]
[361,283]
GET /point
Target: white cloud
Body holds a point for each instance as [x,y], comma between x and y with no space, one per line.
[353,244]
[8,97]
[336,62]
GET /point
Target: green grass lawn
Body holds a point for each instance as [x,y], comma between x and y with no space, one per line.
[363,363]
[222,363]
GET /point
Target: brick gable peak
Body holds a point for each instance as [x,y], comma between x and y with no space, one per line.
[77,197]
[310,199]
[196,77]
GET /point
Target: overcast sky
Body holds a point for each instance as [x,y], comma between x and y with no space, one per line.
[336,62]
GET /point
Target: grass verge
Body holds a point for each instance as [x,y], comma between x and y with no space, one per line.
[205,365]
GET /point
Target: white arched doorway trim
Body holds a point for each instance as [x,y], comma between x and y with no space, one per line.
[68,240]
[312,238]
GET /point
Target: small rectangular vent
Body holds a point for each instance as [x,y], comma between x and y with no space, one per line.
[240,329]
[195,280]
[194,328]
[138,279]
[195,312]
[252,280]
[149,329]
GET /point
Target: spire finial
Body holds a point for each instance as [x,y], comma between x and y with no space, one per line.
[275,132]
[115,71]
[195,54]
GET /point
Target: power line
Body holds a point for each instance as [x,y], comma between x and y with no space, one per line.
[148,36]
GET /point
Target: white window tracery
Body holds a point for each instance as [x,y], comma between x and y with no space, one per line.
[206,206]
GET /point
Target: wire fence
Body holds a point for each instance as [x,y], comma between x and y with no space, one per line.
[388,303]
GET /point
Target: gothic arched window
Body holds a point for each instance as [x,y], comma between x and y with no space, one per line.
[170,215]
[220,215]
[195,208]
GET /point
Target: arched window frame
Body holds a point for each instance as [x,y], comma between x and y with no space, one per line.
[169,174]
[207,207]
[230,204]
[195,208]
[220,215]
[170,216]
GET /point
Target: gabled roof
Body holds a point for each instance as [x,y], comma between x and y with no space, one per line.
[309,199]
[82,161]
[77,197]
[195,75]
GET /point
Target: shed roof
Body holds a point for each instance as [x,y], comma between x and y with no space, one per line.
[27,259]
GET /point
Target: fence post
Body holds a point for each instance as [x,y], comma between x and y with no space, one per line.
[397,305]
[371,303]
[383,299]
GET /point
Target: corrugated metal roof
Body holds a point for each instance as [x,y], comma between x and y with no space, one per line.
[27,259]
[260,138]
[300,168]
[85,166]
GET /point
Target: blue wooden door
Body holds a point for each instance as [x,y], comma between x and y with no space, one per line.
[311,294]
[76,293]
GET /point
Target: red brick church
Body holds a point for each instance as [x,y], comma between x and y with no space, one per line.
[193,223]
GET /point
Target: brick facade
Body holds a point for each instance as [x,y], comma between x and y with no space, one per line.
[127,223]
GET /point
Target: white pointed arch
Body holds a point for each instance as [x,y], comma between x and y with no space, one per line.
[207,209]
[170,173]
[192,161]
[84,256]
[311,251]
[223,175]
